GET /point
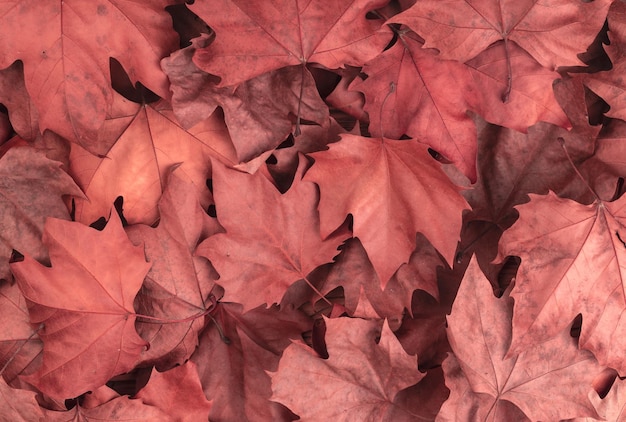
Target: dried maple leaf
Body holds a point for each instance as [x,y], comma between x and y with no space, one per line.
[548,382]
[104,405]
[178,283]
[610,84]
[573,260]
[85,302]
[552,31]
[359,380]
[136,167]
[31,188]
[66,52]
[287,33]
[178,393]
[272,240]
[410,92]
[233,374]
[256,124]
[393,189]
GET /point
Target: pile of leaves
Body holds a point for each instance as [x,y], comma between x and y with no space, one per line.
[352,210]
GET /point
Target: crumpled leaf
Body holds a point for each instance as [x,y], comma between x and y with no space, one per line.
[257,119]
[18,405]
[360,378]
[85,305]
[233,363]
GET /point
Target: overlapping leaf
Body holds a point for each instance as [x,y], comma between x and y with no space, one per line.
[65,47]
[393,189]
[272,240]
[547,382]
[287,33]
[85,304]
[573,261]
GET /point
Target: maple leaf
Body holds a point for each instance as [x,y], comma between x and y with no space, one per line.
[410,92]
[393,189]
[85,302]
[105,405]
[547,382]
[66,51]
[233,374]
[255,124]
[178,393]
[286,33]
[552,31]
[573,260]
[272,240]
[178,283]
[31,188]
[610,84]
[360,378]
[149,143]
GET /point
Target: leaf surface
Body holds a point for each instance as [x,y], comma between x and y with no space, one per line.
[31,189]
[546,382]
[359,380]
[552,31]
[85,304]
[394,189]
[272,240]
[286,33]
[66,51]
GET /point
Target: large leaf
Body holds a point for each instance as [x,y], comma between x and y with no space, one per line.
[85,303]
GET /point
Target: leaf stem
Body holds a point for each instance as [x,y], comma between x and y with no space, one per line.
[317,291]
[509,72]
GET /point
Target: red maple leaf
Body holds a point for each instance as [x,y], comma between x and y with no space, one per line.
[236,351]
[547,382]
[178,393]
[552,31]
[360,378]
[272,240]
[31,190]
[573,259]
[85,306]
[610,84]
[286,33]
[66,56]
[393,189]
